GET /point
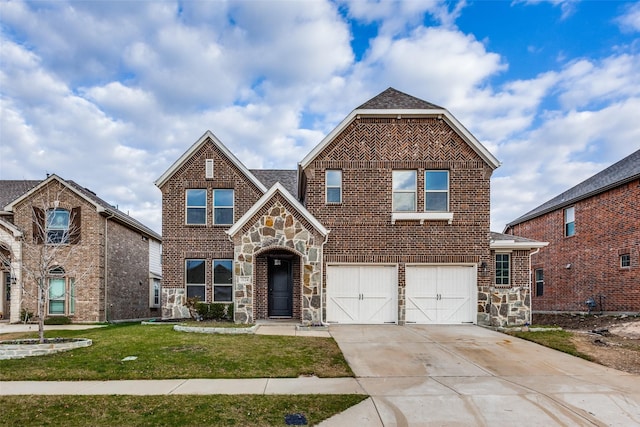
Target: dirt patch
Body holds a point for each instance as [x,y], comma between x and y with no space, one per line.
[612,341]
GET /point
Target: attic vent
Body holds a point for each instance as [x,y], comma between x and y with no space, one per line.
[209,168]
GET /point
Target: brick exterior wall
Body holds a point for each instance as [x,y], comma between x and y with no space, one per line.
[367,151]
[127,274]
[607,225]
[84,261]
[209,242]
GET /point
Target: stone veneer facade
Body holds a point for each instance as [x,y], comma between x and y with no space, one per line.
[277,228]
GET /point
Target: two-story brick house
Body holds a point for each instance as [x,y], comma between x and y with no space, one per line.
[593,230]
[102,265]
[386,220]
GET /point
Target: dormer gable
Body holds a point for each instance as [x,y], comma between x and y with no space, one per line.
[207,167]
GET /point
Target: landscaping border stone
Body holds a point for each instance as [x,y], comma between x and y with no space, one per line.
[19,349]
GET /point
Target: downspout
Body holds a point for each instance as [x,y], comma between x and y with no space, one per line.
[326,237]
[106,266]
[531,254]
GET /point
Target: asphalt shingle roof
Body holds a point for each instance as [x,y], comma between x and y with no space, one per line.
[626,170]
[288,178]
[393,99]
[12,189]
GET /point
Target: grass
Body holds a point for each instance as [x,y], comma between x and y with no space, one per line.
[163,353]
[175,410]
[558,340]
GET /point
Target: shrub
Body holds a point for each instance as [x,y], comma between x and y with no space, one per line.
[58,320]
[26,315]
[214,311]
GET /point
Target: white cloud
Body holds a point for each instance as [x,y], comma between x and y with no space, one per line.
[630,20]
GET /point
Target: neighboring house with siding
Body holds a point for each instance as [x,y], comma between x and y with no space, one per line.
[114,272]
[386,220]
[593,229]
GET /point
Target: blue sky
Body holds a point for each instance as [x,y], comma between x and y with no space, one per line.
[110,94]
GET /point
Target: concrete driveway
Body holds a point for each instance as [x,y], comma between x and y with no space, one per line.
[470,376]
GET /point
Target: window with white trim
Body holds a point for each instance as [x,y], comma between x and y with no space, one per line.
[333,184]
[625,260]
[154,293]
[404,184]
[195,278]
[57,226]
[222,280]
[503,269]
[61,293]
[223,207]
[196,207]
[569,221]
[436,191]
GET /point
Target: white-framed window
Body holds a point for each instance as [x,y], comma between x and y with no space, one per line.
[154,293]
[196,207]
[625,260]
[503,269]
[222,280]
[57,226]
[404,184]
[223,206]
[333,185]
[569,221]
[61,293]
[436,191]
[539,279]
[195,273]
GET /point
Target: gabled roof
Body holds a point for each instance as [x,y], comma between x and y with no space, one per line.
[393,103]
[288,178]
[622,172]
[508,241]
[101,206]
[208,136]
[277,188]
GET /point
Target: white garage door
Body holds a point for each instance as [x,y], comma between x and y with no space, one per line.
[362,294]
[441,294]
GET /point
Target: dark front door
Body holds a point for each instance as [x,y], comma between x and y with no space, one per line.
[280,288]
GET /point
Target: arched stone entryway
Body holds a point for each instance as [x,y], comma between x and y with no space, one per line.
[278,229]
[278,284]
[10,271]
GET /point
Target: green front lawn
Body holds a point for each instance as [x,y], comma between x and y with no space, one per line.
[558,340]
[175,410]
[163,353]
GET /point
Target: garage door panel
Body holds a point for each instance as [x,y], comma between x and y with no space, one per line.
[440,294]
[361,294]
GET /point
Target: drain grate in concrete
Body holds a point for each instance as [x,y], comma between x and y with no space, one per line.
[295,420]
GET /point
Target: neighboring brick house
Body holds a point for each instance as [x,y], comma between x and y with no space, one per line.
[105,266]
[385,221]
[593,229]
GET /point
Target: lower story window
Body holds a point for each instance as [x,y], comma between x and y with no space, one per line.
[62,296]
[503,269]
[195,279]
[539,274]
[222,280]
[154,294]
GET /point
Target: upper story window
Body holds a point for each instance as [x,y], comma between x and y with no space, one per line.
[223,207]
[503,267]
[569,221]
[333,180]
[196,207]
[195,278]
[436,191]
[404,190]
[57,228]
